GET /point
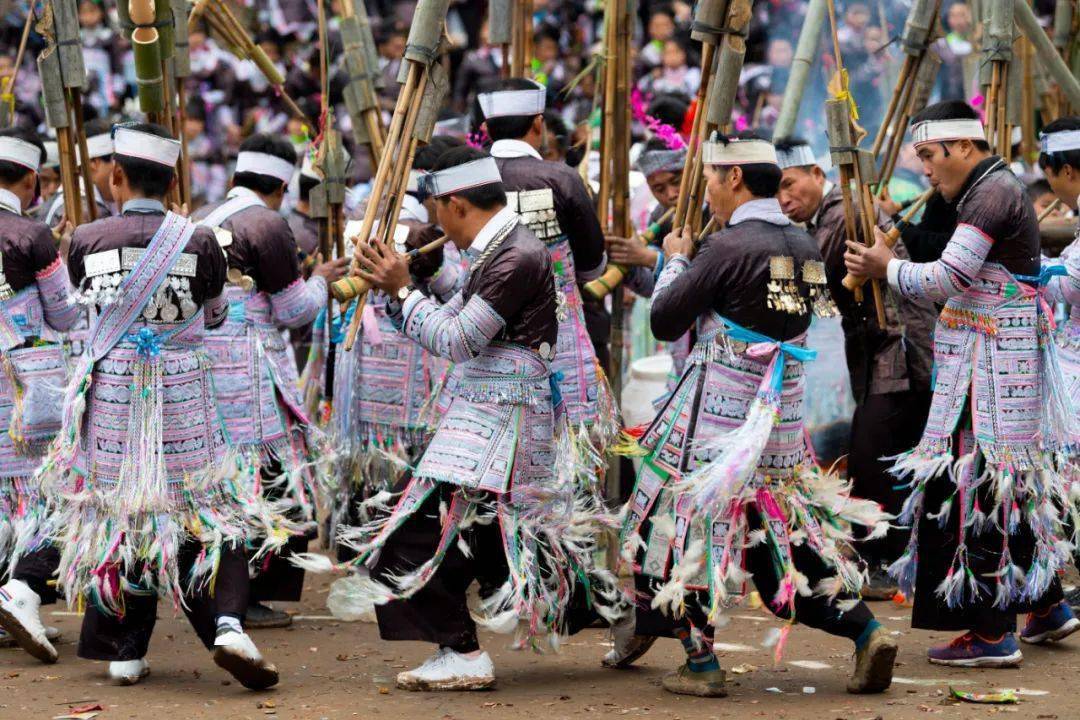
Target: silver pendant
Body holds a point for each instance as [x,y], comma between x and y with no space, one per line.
[188,307]
[169,312]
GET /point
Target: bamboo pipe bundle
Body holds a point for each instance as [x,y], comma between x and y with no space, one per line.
[222,20]
[1044,48]
[615,274]
[721,95]
[360,100]
[391,176]
[920,89]
[352,286]
[708,24]
[500,25]
[146,47]
[521,39]
[805,55]
[1063,22]
[73,77]
[997,52]
[357,8]
[853,282]
[845,157]
[182,70]
[58,117]
[914,84]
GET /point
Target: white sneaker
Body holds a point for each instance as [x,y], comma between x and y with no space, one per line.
[236,654]
[128,672]
[448,670]
[20,616]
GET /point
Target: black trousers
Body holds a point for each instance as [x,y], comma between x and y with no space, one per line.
[438,613]
[38,569]
[884,426]
[937,546]
[127,637]
[275,578]
[814,611]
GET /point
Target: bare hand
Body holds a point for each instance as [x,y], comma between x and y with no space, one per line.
[869,262]
[680,241]
[382,267]
[630,251]
[885,203]
[331,270]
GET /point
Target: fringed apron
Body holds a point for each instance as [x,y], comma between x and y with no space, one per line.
[731,439]
[995,362]
[139,465]
[511,461]
[31,399]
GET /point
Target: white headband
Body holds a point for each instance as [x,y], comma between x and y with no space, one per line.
[504,103]
[944,130]
[52,154]
[797,156]
[414,180]
[145,146]
[20,152]
[1061,141]
[264,164]
[99,145]
[460,177]
[738,152]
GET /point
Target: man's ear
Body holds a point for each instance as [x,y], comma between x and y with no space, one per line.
[735,177]
[538,124]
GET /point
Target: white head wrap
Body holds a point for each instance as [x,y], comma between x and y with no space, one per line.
[145,146]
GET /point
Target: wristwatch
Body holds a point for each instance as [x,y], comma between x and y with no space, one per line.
[404,292]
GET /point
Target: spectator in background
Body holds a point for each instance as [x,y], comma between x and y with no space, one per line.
[676,73]
[853,29]
[959,61]
[660,29]
[391,42]
[1042,196]
[867,72]
[478,72]
[548,66]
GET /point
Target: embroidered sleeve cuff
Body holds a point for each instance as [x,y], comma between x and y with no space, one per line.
[584,277]
[300,302]
[893,272]
[445,281]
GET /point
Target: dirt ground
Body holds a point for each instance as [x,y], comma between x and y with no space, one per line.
[331,669]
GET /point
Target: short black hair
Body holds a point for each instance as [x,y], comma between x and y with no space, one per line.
[11,173]
[271,145]
[305,185]
[669,108]
[1056,161]
[787,144]
[950,110]
[427,156]
[485,197]
[511,127]
[663,10]
[150,178]
[761,179]
[557,130]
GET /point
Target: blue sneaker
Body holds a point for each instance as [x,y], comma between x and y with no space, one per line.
[971,650]
[1055,623]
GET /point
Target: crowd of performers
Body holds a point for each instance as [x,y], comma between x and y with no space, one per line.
[161,443]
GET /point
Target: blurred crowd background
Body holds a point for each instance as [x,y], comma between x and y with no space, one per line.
[229,98]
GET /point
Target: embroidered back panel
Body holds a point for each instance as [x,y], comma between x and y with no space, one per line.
[986,345]
[498,431]
[254,379]
[713,397]
[192,437]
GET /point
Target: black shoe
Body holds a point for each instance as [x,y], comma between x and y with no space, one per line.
[880,587]
[263,617]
